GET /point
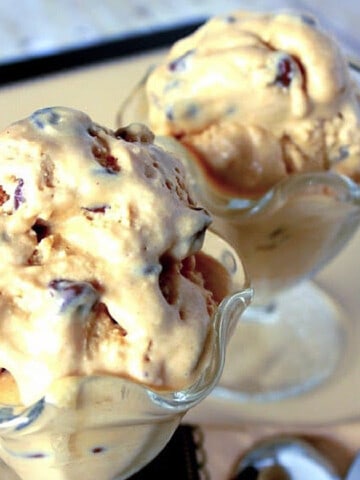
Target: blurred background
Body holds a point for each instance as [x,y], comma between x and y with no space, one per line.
[34,28]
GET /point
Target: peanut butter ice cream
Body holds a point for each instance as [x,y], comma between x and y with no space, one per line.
[256,97]
[249,100]
[113,320]
[99,245]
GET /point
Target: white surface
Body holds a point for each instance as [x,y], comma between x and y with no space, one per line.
[99,91]
[37,27]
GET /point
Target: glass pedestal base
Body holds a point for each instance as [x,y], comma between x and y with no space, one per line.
[284,350]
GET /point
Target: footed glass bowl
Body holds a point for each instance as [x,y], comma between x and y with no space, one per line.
[294,336]
[105,427]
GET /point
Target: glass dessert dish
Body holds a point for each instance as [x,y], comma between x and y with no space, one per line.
[105,427]
[294,335]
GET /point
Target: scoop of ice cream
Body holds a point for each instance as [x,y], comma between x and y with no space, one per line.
[256,97]
[99,246]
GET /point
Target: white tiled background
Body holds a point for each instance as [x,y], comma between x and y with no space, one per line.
[34,27]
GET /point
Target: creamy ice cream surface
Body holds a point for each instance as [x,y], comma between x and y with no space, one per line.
[256,97]
[99,248]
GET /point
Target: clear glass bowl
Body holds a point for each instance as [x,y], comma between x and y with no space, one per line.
[294,335]
[107,428]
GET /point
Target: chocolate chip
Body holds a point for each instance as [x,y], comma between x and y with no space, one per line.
[181,63]
[36,455]
[98,450]
[41,229]
[97,209]
[18,195]
[285,72]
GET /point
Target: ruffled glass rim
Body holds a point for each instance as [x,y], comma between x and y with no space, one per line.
[343,188]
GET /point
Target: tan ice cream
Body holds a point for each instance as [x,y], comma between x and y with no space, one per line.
[98,268]
[256,97]
[101,282]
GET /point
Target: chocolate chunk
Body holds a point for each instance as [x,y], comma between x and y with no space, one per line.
[181,63]
[285,72]
[4,197]
[18,196]
[41,229]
